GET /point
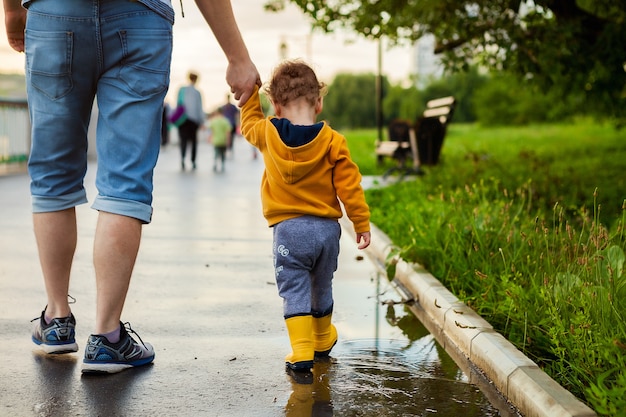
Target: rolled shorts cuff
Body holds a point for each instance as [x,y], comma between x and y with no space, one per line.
[46,204]
[128,208]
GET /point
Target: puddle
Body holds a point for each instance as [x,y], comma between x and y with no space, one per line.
[388,378]
[409,374]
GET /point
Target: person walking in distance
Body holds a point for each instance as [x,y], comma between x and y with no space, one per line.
[308,171]
[231,112]
[120,52]
[191,99]
[219,127]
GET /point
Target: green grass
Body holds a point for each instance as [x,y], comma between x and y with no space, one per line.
[526,226]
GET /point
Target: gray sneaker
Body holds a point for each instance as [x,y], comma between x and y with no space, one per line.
[56,336]
[102,356]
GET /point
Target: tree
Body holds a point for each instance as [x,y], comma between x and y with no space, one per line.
[503,101]
[402,103]
[350,102]
[574,46]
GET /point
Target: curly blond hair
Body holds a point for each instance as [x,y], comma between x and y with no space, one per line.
[292,80]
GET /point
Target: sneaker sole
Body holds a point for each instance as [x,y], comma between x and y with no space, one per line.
[111,368]
[57,349]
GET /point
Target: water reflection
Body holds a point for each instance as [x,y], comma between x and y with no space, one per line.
[115,394]
[310,394]
[391,378]
[416,333]
[55,383]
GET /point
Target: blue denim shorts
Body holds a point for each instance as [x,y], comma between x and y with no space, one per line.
[118,52]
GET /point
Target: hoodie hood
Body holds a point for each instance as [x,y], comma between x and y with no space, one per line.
[300,150]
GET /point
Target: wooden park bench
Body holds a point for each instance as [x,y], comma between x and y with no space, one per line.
[419,143]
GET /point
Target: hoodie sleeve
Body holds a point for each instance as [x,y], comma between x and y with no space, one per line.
[253,120]
[347,180]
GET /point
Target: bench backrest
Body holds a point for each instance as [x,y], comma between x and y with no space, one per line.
[441,108]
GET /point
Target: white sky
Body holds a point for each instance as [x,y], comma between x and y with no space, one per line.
[195,49]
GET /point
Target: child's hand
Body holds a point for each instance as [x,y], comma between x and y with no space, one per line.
[363,239]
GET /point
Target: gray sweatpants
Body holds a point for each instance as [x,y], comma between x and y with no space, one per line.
[305,259]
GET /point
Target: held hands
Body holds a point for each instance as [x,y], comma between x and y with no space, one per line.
[15,22]
[363,239]
[242,78]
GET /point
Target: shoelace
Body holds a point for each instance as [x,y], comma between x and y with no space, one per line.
[131,331]
[71,300]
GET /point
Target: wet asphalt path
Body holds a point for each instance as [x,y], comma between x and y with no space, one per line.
[203,294]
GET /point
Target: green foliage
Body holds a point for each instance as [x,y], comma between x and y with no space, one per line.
[492,101]
[13,159]
[528,227]
[402,103]
[505,101]
[463,86]
[350,102]
[570,47]
[608,393]
[266,104]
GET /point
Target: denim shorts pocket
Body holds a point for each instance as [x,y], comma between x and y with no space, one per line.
[49,61]
[147,57]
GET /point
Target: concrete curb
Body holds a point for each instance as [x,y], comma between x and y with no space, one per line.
[516,377]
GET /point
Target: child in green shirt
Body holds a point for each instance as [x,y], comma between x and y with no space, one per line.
[220,136]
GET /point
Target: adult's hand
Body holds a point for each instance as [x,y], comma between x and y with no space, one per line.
[15,22]
[242,79]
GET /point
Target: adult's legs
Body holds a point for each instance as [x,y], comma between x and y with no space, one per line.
[131,87]
[231,141]
[67,64]
[127,151]
[188,132]
[194,146]
[60,103]
[182,143]
[55,233]
[165,134]
[115,250]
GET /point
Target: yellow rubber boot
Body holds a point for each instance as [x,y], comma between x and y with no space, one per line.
[300,330]
[325,335]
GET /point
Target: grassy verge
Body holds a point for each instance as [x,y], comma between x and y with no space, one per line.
[526,225]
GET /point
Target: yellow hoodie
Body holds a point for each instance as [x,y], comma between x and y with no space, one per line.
[305,180]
